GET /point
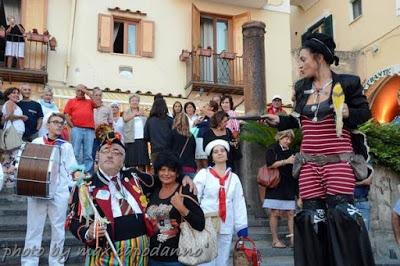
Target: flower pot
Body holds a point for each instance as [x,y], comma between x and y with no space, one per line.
[227,55]
[53,44]
[185,54]
[204,52]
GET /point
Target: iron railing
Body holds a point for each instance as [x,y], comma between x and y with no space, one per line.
[212,68]
[35,49]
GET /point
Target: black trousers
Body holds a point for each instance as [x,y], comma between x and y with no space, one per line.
[331,232]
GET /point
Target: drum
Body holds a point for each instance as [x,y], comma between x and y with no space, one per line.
[37,170]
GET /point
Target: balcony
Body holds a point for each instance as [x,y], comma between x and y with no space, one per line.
[304,4]
[244,3]
[35,50]
[211,72]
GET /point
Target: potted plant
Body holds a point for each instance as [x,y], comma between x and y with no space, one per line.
[185,54]
[53,44]
[227,55]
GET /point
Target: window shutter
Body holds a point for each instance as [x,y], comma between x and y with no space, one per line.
[106,27]
[196,42]
[237,23]
[328,26]
[147,40]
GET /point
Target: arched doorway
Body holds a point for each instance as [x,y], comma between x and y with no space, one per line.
[381,90]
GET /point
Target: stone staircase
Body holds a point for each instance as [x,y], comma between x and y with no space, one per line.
[13,228]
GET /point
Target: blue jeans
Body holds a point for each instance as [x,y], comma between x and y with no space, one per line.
[164,263]
[82,142]
[364,208]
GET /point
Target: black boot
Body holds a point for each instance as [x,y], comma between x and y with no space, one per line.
[349,243]
[310,234]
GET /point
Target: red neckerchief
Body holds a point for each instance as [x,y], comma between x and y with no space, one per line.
[48,141]
[221,194]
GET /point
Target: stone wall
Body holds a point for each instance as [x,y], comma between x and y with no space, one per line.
[385,190]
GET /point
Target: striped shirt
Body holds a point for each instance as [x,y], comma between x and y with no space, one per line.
[333,178]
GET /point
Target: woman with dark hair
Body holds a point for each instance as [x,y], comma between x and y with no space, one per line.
[227,107]
[218,130]
[176,108]
[12,113]
[184,144]
[157,129]
[203,125]
[221,196]
[329,230]
[168,206]
[190,110]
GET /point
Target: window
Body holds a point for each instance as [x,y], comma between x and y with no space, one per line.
[356,8]
[125,36]
[397,7]
[322,26]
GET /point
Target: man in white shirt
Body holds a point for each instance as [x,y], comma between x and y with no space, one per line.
[55,208]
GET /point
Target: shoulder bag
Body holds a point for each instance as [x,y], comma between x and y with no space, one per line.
[196,247]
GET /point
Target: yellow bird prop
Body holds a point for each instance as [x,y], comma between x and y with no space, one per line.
[338,103]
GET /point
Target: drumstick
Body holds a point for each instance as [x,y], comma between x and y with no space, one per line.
[96,214]
[96,232]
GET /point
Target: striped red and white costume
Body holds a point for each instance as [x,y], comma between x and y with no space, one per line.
[320,138]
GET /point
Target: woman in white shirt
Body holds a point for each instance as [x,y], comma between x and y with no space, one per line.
[48,108]
[12,113]
[136,148]
[220,194]
[118,122]
[190,110]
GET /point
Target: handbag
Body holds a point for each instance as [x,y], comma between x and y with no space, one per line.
[196,247]
[245,256]
[268,177]
[10,138]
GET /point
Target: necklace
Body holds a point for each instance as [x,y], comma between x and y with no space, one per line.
[315,107]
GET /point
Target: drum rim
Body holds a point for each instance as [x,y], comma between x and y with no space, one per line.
[51,162]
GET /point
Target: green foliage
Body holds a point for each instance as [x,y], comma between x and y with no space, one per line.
[384,143]
[264,135]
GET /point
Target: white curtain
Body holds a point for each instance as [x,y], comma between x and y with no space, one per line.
[207,40]
[116,29]
[12,8]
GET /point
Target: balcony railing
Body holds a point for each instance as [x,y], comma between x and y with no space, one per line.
[34,49]
[209,71]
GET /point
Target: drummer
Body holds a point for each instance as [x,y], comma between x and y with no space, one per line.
[55,208]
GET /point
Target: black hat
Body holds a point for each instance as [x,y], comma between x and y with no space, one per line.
[322,44]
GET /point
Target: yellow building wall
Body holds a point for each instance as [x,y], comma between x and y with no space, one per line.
[59,26]
[173,32]
[378,26]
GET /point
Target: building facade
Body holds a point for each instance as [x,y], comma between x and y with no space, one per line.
[367,34]
[180,48]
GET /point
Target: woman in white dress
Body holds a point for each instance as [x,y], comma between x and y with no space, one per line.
[220,195]
[12,113]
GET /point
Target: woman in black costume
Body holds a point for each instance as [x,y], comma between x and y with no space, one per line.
[329,230]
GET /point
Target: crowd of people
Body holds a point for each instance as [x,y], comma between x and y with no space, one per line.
[147,174]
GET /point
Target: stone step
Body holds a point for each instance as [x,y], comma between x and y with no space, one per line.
[75,257]
[19,240]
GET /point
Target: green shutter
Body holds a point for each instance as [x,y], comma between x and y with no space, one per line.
[328,26]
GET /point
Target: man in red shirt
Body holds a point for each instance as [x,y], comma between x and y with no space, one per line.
[79,115]
[275,108]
